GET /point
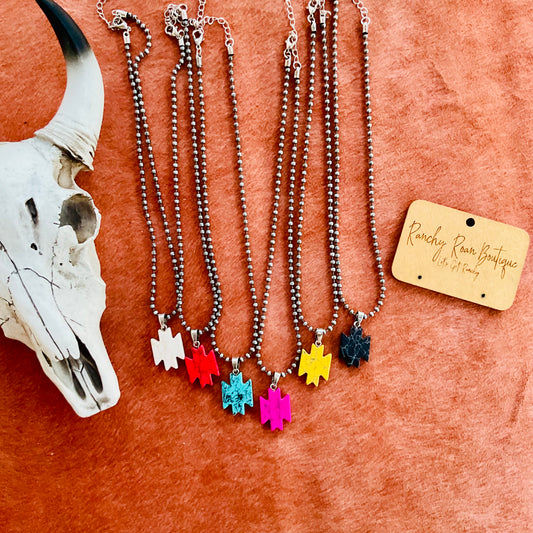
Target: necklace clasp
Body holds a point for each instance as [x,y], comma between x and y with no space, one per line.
[119,20]
[312,6]
[291,42]
[198,36]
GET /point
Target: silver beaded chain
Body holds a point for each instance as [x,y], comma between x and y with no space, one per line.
[120,23]
[292,69]
[360,316]
[332,172]
[178,26]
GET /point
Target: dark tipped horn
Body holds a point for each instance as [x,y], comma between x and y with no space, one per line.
[76,126]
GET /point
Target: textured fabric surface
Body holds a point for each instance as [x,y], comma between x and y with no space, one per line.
[434,433]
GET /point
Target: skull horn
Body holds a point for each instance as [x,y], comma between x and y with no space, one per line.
[76,126]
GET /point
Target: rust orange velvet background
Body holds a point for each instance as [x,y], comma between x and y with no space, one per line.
[434,434]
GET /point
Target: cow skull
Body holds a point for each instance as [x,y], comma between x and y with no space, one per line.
[51,294]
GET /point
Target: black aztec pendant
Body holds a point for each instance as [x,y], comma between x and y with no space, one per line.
[354,347]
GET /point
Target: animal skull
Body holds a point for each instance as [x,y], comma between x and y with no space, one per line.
[51,294]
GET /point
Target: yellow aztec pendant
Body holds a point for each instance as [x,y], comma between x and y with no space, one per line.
[315,364]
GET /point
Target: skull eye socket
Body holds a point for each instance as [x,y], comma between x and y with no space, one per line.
[78,212]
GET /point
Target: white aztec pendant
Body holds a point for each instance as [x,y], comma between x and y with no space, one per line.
[168,348]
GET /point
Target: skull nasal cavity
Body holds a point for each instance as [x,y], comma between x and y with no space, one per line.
[78,212]
[30,204]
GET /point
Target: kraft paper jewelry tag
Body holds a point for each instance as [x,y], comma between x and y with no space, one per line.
[459,254]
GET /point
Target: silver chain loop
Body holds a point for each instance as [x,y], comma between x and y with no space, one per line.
[365,19]
[228,39]
[100,10]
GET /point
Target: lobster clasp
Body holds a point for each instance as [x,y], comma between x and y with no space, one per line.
[312,6]
[173,31]
[198,36]
[119,20]
[292,40]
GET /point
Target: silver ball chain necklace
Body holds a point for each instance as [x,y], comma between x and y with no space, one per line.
[189,33]
[236,393]
[202,365]
[314,363]
[355,346]
[274,409]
